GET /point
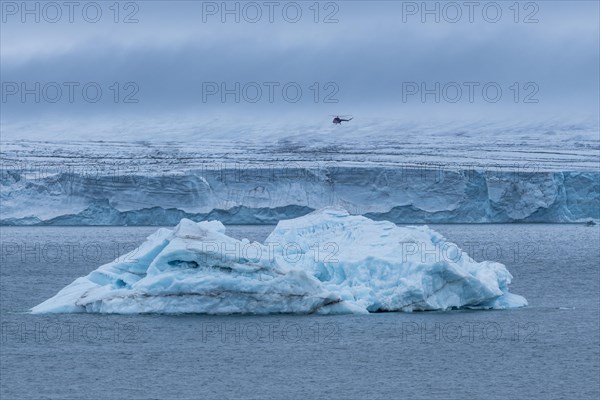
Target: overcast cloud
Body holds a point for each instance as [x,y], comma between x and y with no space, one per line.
[170,62]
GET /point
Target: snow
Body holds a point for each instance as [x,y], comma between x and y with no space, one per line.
[325,262]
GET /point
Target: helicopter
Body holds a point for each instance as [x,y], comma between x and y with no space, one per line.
[338,119]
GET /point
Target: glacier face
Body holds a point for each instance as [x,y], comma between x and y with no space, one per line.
[439,174]
[325,262]
[268,195]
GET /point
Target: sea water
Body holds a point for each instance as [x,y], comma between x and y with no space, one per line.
[547,350]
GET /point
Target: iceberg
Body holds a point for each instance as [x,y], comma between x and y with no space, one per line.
[326,262]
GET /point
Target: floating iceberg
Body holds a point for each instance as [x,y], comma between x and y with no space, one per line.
[324,262]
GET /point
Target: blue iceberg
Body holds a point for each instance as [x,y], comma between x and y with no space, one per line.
[326,262]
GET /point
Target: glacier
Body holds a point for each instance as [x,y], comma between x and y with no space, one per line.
[326,262]
[408,176]
[401,195]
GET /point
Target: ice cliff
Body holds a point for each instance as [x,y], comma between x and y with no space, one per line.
[268,195]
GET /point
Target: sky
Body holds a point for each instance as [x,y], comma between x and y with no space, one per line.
[146,69]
